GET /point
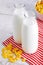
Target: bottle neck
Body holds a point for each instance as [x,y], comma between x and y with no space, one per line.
[19,5]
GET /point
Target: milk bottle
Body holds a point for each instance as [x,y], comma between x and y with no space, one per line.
[30,34]
[19,16]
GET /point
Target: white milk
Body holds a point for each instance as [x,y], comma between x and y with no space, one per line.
[30,35]
[19,15]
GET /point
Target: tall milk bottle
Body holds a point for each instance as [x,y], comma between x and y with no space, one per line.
[19,15]
[30,35]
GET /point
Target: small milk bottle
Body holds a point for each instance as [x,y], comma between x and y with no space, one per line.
[30,35]
[19,15]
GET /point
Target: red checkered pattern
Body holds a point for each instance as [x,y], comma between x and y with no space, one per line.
[37,57]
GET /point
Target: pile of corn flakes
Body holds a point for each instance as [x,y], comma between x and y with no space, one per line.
[12,54]
[39,7]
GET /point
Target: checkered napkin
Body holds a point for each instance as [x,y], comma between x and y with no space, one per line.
[37,57]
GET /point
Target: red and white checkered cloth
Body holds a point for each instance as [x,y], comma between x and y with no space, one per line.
[37,57]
